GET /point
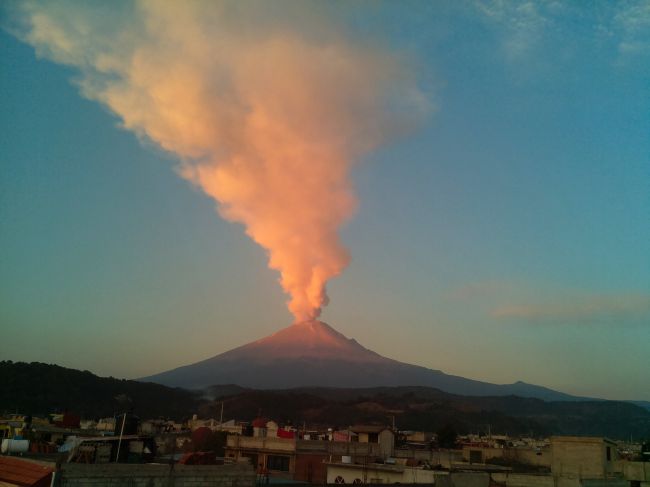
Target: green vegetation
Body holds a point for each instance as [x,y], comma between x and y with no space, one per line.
[447,436]
[39,389]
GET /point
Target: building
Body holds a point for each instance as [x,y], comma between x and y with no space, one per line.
[346,472]
[380,435]
[538,457]
[110,449]
[149,475]
[583,457]
[294,458]
[232,427]
[20,472]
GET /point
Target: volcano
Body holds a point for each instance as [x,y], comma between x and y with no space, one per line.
[312,353]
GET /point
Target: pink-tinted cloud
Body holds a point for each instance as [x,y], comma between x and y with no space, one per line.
[615,309]
[266,105]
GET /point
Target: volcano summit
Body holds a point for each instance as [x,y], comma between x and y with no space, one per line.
[312,353]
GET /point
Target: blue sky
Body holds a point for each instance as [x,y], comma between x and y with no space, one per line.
[504,239]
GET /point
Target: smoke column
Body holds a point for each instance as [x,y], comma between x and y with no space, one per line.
[267,106]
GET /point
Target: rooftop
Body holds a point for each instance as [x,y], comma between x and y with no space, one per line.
[22,472]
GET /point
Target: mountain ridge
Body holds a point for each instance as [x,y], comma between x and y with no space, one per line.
[312,353]
[39,389]
[312,339]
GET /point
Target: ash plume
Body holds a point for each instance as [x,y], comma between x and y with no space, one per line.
[267,106]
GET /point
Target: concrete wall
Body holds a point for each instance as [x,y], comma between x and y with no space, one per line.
[419,436]
[605,483]
[386,440]
[239,446]
[523,480]
[581,457]
[639,471]
[567,480]
[386,474]
[434,457]
[305,457]
[485,453]
[285,445]
[338,447]
[467,479]
[391,474]
[154,475]
[258,443]
[528,456]
[370,474]
[531,456]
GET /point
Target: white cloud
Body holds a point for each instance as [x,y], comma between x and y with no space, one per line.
[607,309]
[522,23]
[526,28]
[266,106]
[633,22]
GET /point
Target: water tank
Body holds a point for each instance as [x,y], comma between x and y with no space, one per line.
[14,446]
[346,459]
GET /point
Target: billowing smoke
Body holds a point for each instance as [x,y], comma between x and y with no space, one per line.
[267,105]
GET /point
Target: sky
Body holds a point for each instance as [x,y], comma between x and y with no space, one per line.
[496,156]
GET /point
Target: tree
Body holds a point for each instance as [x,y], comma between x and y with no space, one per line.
[645,451]
[204,439]
[447,436]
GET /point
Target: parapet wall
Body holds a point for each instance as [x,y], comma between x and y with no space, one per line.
[154,475]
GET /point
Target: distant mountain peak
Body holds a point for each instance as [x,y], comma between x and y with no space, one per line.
[309,339]
[311,330]
[309,333]
[312,353]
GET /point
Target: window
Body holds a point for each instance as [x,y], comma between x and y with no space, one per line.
[475,456]
[609,453]
[277,462]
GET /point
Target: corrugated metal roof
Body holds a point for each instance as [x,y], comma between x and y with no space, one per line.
[22,472]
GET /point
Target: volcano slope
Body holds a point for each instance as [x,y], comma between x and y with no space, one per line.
[312,353]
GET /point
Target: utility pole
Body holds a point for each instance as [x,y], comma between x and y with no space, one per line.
[119,442]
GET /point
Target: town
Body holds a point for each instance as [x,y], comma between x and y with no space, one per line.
[66,450]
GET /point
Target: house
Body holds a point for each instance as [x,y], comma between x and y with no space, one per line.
[231,426]
[294,458]
[346,472]
[380,435]
[24,473]
[537,457]
[583,457]
[110,449]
